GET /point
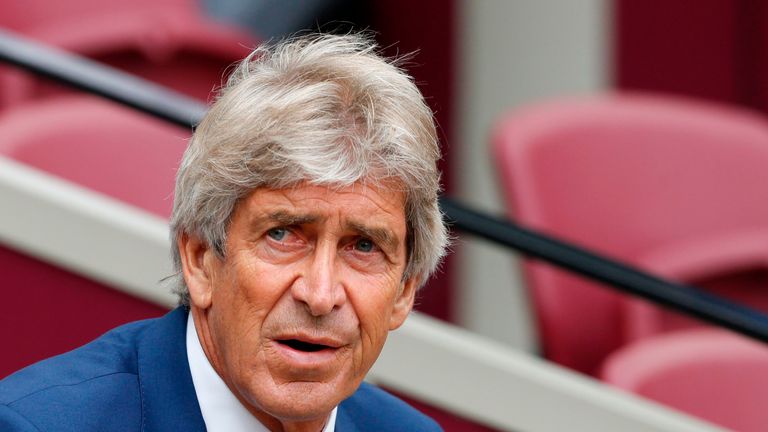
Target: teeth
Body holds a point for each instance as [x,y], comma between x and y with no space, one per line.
[303,346]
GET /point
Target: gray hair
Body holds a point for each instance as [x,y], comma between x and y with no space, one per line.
[322,109]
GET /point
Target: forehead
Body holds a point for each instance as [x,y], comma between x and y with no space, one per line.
[360,204]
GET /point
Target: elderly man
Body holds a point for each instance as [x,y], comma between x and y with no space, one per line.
[305,220]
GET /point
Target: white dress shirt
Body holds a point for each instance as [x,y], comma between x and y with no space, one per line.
[222,411]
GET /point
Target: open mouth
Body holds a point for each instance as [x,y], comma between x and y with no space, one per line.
[303,346]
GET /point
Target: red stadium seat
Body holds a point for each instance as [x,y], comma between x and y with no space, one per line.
[676,186]
[99,145]
[105,147]
[166,41]
[709,373]
[732,265]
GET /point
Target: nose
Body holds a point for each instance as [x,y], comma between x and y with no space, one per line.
[319,287]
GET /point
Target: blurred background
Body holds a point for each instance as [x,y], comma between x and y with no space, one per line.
[476,62]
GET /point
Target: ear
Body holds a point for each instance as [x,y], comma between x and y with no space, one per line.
[403,303]
[197,263]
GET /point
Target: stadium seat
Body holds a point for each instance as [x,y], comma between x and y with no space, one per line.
[672,185]
[709,373]
[166,41]
[100,145]
[732,265]
[109,149]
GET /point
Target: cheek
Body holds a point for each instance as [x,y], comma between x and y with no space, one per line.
[242,301]
[260,285]
[373,302]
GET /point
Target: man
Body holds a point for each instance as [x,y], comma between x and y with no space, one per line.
[305,219]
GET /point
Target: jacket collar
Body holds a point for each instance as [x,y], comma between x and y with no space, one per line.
[168,399]
[344,422]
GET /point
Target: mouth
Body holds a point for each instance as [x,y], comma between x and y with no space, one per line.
[308,356]
[309,353]
[303,346]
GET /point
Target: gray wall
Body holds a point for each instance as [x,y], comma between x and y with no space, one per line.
[513,52]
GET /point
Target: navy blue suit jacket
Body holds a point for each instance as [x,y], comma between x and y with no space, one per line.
[136,378]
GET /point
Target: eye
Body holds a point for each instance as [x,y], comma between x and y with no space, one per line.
[277,233]
[364,245]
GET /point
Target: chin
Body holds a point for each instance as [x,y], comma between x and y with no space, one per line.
[305,401]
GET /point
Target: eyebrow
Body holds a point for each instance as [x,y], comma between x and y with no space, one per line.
[286,218]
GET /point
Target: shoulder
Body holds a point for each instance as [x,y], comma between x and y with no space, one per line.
[372,408]
[112,353]
[100,377]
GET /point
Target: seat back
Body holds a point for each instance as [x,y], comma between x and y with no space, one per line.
[627,176]
[712,374]
[167,41]
[100,145]
[32,15]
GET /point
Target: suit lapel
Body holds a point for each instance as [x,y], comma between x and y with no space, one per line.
[169,402]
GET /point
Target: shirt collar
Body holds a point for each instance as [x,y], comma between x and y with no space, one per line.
[222,411]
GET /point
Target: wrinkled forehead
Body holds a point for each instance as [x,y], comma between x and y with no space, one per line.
[375,181]
[310,197]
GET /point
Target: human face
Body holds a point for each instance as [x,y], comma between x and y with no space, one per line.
[298,311]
